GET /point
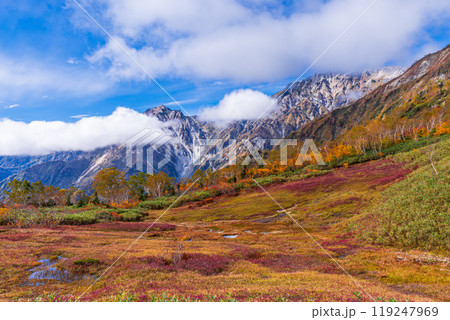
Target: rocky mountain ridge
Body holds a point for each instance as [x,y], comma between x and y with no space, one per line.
[299,103]
[422,87]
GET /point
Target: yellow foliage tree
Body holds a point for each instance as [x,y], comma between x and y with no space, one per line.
[339,151]
[110,184]
[159,183]
[442,128]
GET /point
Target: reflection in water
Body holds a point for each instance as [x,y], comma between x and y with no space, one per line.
[230,236]
[46,271]
[52,273]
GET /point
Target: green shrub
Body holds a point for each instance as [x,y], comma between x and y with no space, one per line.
[239,186]
[165,202]
[130,215]
[31,217]
[86,262]
[83,218]
[104,215]
[414,213]
[197,196]
[417,152]
[265,180]
[155,204]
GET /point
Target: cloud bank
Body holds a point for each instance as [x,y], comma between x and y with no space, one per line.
[44,137]
[243,104]
[253,41]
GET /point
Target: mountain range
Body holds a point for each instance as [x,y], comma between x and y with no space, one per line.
[422,87]
[321,106]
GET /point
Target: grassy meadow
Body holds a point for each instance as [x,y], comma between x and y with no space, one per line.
[386,222]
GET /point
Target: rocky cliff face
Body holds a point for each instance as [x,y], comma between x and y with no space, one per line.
[305,100]
[423,86]
[299,103]
[65,169]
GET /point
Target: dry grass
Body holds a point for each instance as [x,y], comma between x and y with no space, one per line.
[271,261]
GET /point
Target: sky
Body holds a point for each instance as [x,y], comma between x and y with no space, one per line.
[58,66]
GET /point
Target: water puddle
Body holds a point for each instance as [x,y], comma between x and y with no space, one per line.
[230,236]
[47,271]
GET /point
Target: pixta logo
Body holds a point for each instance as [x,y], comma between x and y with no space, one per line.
[150,150]
[142,148]
[213,150]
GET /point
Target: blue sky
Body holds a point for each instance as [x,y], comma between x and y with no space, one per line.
[56,64]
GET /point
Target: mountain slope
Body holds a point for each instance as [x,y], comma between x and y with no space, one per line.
[302,102]
[423,86]
[64,169]
[308,99]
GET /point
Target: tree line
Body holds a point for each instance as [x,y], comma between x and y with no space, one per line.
[110,186]
[382,133]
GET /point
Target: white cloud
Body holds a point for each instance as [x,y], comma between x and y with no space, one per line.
[243,104]
[73,61]
[79,116]
[225,40]
[12,106]
[43,137]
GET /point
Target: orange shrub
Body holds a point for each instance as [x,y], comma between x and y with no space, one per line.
[339,151]
[126,204]
[442,128]
[115,215]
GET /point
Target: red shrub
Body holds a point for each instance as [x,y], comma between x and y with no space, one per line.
[289,263]
[204,264]
[132,226]
[15,237]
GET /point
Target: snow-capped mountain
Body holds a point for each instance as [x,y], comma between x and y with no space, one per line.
[424,81]
[305,100]
[299,103]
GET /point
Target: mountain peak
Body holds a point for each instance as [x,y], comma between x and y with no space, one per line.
[164,113]
[415,92]
[160,109]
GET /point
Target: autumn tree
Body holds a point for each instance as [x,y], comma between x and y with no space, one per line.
[377,133]
[53,196]
[138,185]
[357,137]
[243,173]
[229,172]
[198,177]
[80,198]
[94,198]
[212,177]
[37,196]
[111,185]
[339,151]
[158,183]
[18,191]
[25,193]
[442,128]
